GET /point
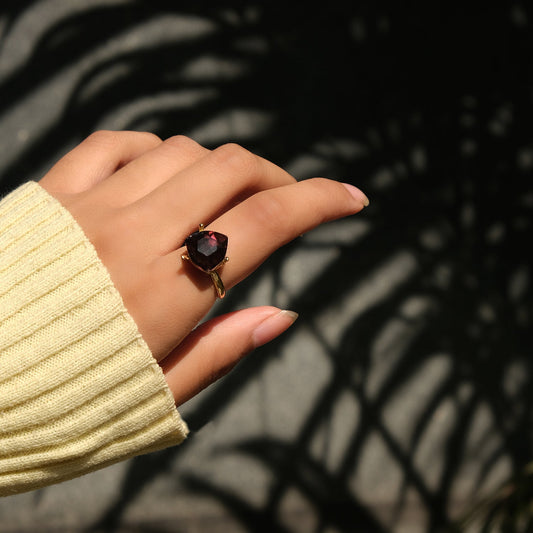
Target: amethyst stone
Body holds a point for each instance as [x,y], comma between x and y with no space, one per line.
[206,249]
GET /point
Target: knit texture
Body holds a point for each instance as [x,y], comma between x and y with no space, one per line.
[79,388]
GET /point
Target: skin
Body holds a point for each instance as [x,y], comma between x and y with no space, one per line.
[138,197]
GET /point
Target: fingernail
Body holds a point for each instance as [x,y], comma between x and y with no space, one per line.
[358,194]
[273,326]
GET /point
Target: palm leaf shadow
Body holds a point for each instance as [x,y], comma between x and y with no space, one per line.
[327,76]
[324,491]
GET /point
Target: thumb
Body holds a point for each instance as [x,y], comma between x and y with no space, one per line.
[215,347]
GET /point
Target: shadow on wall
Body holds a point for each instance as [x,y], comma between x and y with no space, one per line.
[420,308]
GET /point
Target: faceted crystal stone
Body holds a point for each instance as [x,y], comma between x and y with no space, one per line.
[206,249]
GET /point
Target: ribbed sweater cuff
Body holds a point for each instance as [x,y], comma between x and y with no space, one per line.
[79,388]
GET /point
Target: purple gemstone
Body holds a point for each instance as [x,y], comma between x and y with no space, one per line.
[206,249]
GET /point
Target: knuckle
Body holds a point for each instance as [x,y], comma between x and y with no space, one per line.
[182,145]
[319,185]
[103,137]
[327,194]
[147,137]
[269,213]
[239,159]
[181,141]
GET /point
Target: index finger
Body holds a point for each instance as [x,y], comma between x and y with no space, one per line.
[256,228]
[266,221]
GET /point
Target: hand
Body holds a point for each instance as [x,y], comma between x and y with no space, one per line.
[137,198]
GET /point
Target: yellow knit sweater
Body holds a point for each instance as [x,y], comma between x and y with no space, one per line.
[79,388]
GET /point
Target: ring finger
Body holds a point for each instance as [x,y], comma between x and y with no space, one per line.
[203,191]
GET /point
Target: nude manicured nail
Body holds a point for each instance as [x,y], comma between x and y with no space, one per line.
[273,326]
[358,194]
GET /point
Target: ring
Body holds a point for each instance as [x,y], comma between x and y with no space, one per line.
[206,250]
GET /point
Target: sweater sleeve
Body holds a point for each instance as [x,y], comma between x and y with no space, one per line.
[79,388]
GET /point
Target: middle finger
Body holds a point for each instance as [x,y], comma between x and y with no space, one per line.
[150,170]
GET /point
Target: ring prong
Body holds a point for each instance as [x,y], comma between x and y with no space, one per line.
[185,257]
